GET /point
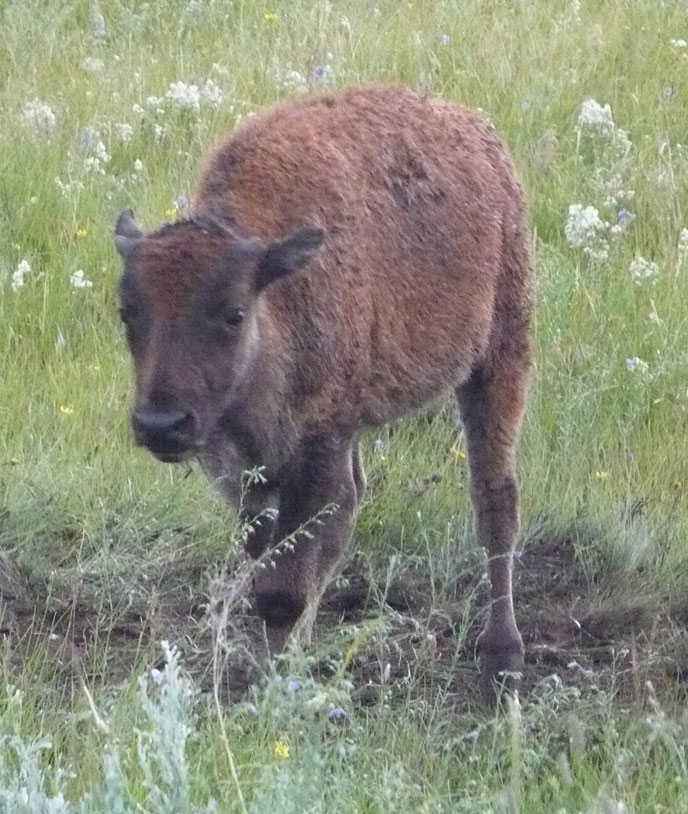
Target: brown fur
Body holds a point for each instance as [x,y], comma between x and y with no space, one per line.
[422,285]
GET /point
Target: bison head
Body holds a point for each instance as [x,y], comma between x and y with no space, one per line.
[191,299]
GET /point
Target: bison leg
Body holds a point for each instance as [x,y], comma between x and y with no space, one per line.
[316,515]
[253,500]
[491,405]
[259,510]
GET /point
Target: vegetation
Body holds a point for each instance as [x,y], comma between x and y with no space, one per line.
[105,553]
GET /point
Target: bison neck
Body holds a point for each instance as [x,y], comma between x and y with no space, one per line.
[259,422]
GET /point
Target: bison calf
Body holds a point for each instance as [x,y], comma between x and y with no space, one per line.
[349,258]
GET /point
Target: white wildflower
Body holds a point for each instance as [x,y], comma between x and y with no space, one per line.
[585,230]
[19,276]
[137,110]
[636,365]
[683,241]
[138,165]
[612,184]
[653,317]
[678,43]
[643,270]
[97,161]
[211,94]
[622,141]
[154,101]
[124,132]
[291,80]
[93,64]
[183,96]
[159,131]
[595,117]
[220,70]
[101,153]
[38,117]
[78,280]
[97,23]
[68,188]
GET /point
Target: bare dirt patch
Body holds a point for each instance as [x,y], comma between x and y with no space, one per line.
[390,636]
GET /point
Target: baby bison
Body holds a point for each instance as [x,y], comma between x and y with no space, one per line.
[349,258]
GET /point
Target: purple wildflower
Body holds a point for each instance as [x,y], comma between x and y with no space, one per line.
[623,219]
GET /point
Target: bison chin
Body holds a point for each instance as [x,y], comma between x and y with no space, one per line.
[173,457]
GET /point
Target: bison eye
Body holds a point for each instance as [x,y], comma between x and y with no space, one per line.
[235,317]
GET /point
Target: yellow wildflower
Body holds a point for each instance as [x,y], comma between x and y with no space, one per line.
[80,233]
[172,212]
[270,16]
[458,453]
[601,475]
[282,749]
[14,461]
[66,409]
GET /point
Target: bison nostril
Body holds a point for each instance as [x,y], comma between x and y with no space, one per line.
[164,429]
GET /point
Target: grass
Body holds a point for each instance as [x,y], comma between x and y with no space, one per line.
[104,552]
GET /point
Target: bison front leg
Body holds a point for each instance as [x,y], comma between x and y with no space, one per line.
[317,510]
[258,510]
[491,405]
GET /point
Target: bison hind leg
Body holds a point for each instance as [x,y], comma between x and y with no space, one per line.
[491,404]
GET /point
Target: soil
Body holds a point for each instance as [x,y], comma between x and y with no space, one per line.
[570,627]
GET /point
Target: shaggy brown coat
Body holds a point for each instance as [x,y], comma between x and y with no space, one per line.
[349,259]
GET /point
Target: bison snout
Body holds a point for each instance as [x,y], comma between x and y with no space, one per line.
[168,434]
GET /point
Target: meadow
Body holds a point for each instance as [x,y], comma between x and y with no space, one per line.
[130,669]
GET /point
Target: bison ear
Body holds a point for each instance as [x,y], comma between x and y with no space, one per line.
[127,233]
[288,255]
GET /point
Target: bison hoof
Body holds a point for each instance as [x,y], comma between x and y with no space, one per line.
[279,608]
[501,661]
[277,637]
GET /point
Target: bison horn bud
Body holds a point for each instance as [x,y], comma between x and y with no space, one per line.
[127,232]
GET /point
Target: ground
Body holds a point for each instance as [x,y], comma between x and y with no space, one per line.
[568,623]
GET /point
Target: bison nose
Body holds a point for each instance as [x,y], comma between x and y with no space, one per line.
[167,433]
